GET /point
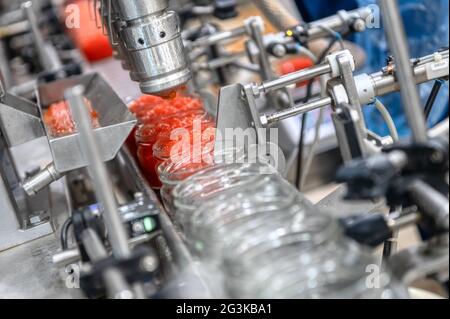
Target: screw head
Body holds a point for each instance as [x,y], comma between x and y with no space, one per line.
[149,263]
[138,227]
[437,157]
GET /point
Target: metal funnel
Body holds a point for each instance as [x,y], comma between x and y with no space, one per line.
[116,122]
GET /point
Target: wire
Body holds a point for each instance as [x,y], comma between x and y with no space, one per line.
[388,119]
[65,233]
[308,53]
[312,150]
[432,98]
[334,34]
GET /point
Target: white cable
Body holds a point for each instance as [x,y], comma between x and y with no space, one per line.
[308,162]
[388,119]
[312,150]
[308,53]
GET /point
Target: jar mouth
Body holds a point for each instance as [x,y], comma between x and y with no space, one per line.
[172,173]
[232,176]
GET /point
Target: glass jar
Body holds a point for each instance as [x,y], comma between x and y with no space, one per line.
[148,135]
[219,222]
[212,182]
[171,173]
[150,109]
[268,241]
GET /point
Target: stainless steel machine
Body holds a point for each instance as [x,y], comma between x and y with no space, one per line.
[124,244]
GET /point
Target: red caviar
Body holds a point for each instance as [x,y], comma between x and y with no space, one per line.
[58,118]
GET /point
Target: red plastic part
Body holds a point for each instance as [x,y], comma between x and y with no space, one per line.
[89,37]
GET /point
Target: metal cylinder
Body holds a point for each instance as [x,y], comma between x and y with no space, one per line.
[152,40]
[395,33]
[102,185]
[41,180]
[338,22]
[218,37]
[293,78]
[296,110]
[380,83]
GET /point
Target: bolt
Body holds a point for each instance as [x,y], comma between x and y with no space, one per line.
[138,228]
[139,196]
[279,50]
[256,91]
[36,219]
[359,25]
[149,263]
[264,120]
[437,157]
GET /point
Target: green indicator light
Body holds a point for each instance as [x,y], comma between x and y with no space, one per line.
[149,224]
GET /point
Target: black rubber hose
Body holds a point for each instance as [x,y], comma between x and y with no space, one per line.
[432,98]
[65,233]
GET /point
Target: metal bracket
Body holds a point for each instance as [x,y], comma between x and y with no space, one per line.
[428,260]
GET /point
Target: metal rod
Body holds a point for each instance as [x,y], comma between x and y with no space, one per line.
[257,29]
[41,180]
[218,37]
[293,78]
[38,39]
[396,36]
[103,186]
[296,110]
[71,256]
[336,23]
[115,283]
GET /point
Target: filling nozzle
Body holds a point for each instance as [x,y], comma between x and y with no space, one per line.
[149,36]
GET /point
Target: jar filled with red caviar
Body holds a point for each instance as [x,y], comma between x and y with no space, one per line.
[148,134]
[192,138]
[149,109]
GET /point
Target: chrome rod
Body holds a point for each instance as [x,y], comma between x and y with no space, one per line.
[396,36]
[103,186]
[296,110]
[293,78]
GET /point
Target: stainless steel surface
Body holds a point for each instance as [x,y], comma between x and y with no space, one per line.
[294,78]
[26,271]
[348,80]
[42,48]
[339,23]
[102,185]
[116,122]
[256,28]
[41,180]
[218,38]
[152,45]
[237,109]
[19,120]
[364,87]
[23,218]
[396,36]
[6,79]
[336,205]
[381,83]
[296,110]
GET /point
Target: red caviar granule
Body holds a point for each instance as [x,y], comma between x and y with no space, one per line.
[58,118]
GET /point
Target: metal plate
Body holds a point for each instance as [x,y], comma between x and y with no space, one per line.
[116,122]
